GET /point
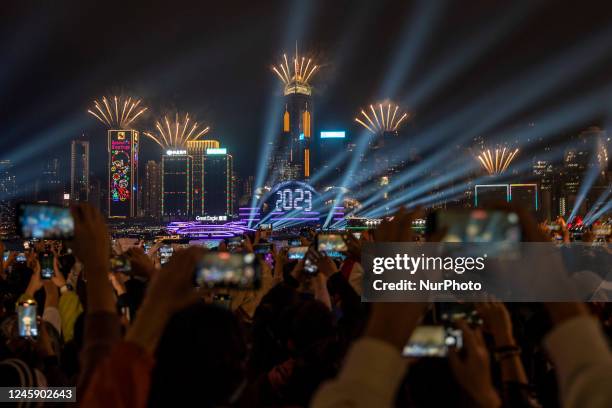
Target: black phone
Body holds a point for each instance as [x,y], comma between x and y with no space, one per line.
[121,264]
[331,242]
[46,264]
[21,258]
[432,341]
[262,249]
[294,242]
[26,319]
[43,221]
[298,252]
[227,270]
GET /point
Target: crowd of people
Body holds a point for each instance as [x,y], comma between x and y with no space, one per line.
[150,337]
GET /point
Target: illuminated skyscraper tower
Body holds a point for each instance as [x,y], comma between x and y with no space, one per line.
[197,149]
[123,147]
[293,153]
[178,137]
[119,114]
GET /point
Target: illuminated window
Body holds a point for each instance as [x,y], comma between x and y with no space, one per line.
[306,123]
[286,122]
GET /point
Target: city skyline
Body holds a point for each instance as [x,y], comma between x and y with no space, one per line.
[410,135]
[227,88]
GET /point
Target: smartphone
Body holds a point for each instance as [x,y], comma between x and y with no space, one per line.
[449,312]
[331,243]
[234,243]
[310,266]
[46,264]
[475,225]
[265,227]
[6,255]
[297,252]
[553,227]
[223,300]
[26,319]
[21,258]
[121,264]
[357,235]
[294,242]
[432,341]
[262,249]
[226,270]
[165,252]
[42,221]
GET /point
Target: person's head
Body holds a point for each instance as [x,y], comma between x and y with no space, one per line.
[269,330]
[202,349]
[310,322]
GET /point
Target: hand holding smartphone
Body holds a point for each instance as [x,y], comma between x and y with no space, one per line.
[46,265]
[26,319]
[432,341]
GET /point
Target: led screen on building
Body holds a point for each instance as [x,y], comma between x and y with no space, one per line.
[122,172]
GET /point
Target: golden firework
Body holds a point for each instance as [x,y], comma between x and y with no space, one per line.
[117,112]
[296,74]
[175,134]
[497,163]
[384,118]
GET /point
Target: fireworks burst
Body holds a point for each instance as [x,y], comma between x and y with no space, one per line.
[497,163]
[176,134]
[383,119]
[117,112]
[299,71]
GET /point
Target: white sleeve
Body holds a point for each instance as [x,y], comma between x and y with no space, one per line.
[370,377]
[579,350]
[52,315]
[356,278]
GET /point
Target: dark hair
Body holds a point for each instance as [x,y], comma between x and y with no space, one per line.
[269,331]
[202,349]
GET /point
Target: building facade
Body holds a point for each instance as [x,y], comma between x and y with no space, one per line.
[176,185]
[79,170]
[218,183]
[151,191]
[123,147]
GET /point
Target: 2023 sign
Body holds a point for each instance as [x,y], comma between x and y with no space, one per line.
[293,199]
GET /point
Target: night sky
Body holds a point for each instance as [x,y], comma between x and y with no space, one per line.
[213,59]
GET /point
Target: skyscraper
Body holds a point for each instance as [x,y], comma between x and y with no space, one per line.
[293,153]
[79,169]
[8,193]
[176,184]
[49,187]
[123,146]
[218,183]
[152,189]
[197,149]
